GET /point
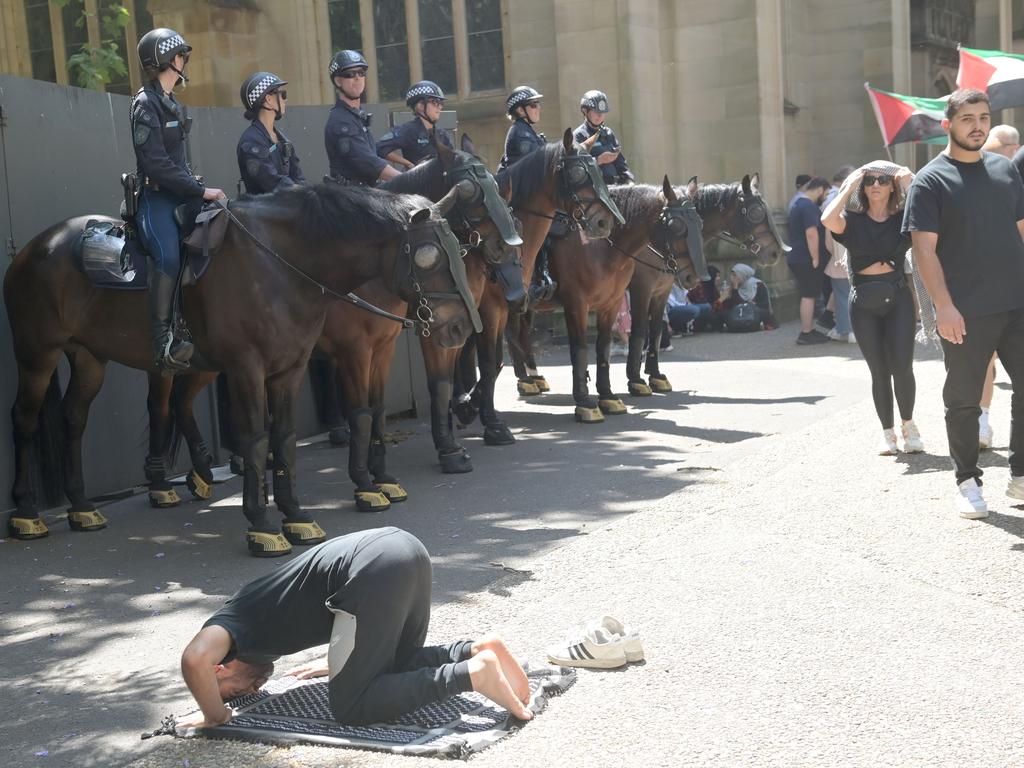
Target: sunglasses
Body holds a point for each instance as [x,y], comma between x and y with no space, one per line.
[282,93]
[882,181]
[435,102]
[352,74]
[532,105]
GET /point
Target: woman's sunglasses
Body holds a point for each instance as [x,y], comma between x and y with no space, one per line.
[882,181]
[282,93]
[531,104]
[351,74]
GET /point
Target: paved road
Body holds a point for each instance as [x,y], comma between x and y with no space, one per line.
[802,601]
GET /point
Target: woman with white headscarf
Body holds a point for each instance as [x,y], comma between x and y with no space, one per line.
[744,288]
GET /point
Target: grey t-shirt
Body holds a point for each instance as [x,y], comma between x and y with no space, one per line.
[974,208]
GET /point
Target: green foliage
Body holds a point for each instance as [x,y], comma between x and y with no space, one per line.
[94,66]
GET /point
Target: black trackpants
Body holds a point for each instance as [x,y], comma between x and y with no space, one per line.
[966,365]
[378,664]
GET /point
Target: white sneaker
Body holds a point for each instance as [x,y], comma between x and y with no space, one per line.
[969,501]
[1015,490]
[984,435]
[851,338]
[632,646]
[911,438]
[835,335]
[888,445]
[596,648]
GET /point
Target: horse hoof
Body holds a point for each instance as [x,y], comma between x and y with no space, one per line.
[589,415]
[26,528]
[371,501]
[198,486]
[612,406]
[396,494]
[455,463]
[660,384]
[86,520]
[639,389]
[236,464]
[527,387]
[541,384]
[163,499]
[465,413]
[498,434]
[303,534]
[263,544]
[338,436]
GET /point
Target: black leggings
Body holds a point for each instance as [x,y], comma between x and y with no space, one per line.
[887,343]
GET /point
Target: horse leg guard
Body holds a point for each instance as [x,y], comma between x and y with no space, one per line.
[368,497]
[161,493]
[607,402]
[377,462]
[637,386]
[339,435]
[26,528]
[587,411]
[200,479]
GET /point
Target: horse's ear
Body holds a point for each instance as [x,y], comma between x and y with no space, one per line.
[755,182]
[666,189]
[444,153]
[746,184]
[421,215]
[447,202]
[691,188]
[589,143]
[468,145]
[567,140]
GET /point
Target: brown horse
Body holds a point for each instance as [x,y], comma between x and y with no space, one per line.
[736,212]
[559,176]
[255,315]
[660,222]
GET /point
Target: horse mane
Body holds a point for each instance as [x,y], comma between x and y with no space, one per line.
[716,195]
[637,200]
[528,175]
[332,211]
[425,179]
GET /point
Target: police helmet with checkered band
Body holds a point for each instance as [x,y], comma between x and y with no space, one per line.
[521,95]
[256,87]
[424,89]
[158,47]
[343,60]
[596,100]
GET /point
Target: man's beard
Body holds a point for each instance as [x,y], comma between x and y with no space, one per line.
[968,147]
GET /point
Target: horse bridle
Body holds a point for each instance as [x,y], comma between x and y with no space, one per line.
[462,221]
[672,214]
[574,173]
[754,213]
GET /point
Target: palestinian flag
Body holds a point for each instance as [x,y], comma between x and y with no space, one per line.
[999,74]
[907,118]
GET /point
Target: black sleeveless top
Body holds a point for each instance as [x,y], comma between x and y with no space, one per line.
[869,242]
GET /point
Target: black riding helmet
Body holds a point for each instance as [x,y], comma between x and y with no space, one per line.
[158,47]
[596,100]
[257,87]
[343,60]
[521,95]
[424,89]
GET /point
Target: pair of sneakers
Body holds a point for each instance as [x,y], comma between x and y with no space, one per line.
[604,643]
[970,502]
[911,440]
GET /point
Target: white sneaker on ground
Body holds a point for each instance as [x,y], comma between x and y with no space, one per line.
[911,438]
[595,648]
[984,434]
[632,646]
[1015,490]
[888,445]
[969,501]
[851,338]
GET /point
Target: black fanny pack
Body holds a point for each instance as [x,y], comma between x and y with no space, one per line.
[876,296]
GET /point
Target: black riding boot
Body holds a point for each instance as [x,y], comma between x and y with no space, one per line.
[170,353]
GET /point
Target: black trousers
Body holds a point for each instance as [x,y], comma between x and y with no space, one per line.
[383,669]
[966,366]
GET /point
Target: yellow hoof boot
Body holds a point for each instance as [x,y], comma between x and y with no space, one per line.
[639,389]
[527,387]
[199,487]
[27,528]
[88,520]
[589,415]
[267,544]
[612,407]
[393,491]
[371,501]
[660,385]
[541,384]
[162,499]
[303,534]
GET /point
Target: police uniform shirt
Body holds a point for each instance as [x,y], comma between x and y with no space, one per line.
[351,150]
[265,165]
[612,172]
[520,141]
[413,139]
[159,128]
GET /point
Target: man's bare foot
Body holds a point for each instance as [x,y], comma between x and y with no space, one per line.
[486,674]
[512,669]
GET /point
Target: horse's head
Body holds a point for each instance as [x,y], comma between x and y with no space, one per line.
[431,276]
[582,192]
[677,234]
[750,224]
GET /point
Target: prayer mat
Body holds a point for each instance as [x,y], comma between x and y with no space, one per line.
[290,711]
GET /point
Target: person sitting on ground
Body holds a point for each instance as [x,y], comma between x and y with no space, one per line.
[682,313]
[744,288]
[707,292]
[367,594]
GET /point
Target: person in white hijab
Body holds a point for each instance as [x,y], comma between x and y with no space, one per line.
[746,287]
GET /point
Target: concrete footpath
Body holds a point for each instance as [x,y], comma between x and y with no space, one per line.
[802,601]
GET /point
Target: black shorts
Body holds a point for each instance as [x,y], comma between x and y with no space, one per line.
[808,280]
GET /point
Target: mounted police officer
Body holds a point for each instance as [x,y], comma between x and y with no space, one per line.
[606,150]
[266,159]
[523,107]
[351,150]
[409,144]
[160,126]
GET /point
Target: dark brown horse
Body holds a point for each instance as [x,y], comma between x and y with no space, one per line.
[255,315]
[661,227]
[736,212]
[559,176]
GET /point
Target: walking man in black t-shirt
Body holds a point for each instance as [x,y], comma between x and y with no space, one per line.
[367,595]
[965,213]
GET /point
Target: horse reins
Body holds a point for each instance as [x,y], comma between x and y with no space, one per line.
[669,260]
